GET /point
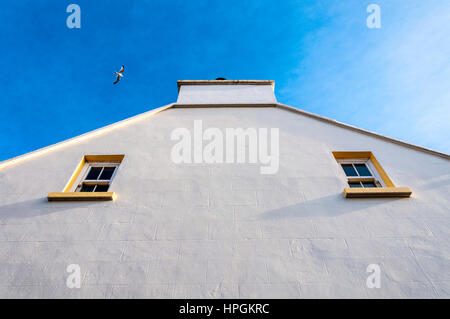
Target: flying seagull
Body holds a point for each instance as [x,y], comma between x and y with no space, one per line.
[119,74]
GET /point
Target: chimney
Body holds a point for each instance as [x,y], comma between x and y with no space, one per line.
[222,91]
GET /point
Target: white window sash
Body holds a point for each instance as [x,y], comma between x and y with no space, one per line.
[375,175]
[85,170]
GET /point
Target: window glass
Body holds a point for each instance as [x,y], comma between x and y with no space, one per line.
[87,188]
[102,188]
[349,170]
[362,170]
[107,173]
[96,176]
[93,173]
[369,184]
[354,184]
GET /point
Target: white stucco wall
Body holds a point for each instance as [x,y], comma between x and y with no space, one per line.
[225,230]
[226,94]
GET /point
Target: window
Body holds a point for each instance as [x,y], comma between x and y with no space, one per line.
[366,177]
[98,177]
[91,179]
[360,173]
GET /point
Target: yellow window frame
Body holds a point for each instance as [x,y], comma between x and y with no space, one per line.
[389,191]
[67,195]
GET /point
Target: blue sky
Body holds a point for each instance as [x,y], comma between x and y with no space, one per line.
[56,82]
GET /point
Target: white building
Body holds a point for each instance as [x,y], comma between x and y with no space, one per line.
[155,228]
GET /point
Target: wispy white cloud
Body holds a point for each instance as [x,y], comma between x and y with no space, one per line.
[394,80]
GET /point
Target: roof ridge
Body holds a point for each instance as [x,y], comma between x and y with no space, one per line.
[77,138]
[146,114]
[360,130]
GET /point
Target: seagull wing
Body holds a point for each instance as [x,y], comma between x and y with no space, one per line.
[117,80]
[122,69]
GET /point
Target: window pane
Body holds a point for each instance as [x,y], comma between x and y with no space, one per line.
[369,184]
[362,170]
[107,173]
[349,170]
[354,184]
[102,188]
[87,188]
[93,173]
